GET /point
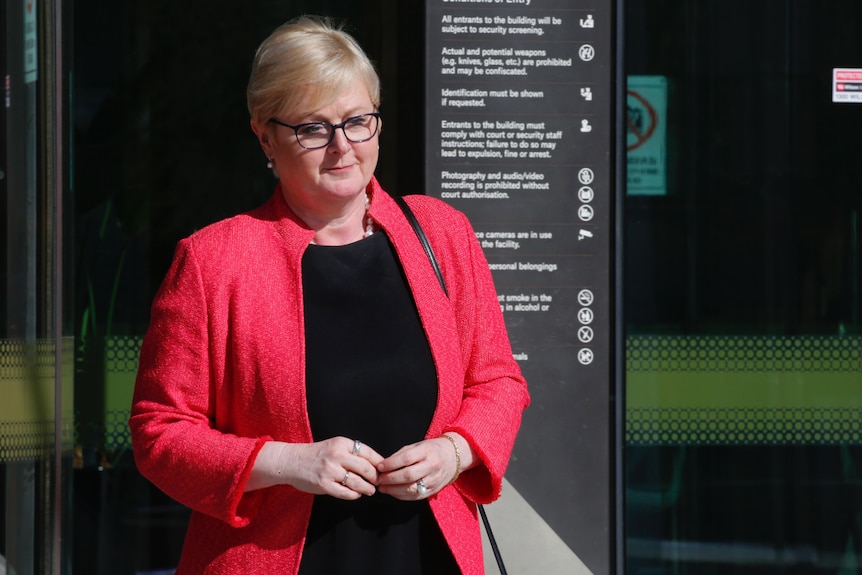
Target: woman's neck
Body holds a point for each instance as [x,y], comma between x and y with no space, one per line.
[340,227]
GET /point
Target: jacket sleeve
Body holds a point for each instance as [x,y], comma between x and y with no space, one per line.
[175,442]
[495,392]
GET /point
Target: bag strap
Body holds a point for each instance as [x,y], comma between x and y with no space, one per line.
[423,239]
[491,539]
[426,245]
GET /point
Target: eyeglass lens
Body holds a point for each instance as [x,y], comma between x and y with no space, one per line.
[319,134]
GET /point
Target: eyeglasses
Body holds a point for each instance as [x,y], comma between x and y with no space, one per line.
[313,135]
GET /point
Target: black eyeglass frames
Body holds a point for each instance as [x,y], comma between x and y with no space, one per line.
[313,135]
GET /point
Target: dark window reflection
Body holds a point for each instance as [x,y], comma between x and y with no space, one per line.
[742,294]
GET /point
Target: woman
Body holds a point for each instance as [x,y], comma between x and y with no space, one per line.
[306,387]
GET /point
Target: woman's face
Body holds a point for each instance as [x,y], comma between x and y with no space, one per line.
[327,175]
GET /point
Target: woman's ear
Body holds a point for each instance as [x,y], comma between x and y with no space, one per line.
[263,136]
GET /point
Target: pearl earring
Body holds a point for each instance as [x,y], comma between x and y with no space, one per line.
[269,164]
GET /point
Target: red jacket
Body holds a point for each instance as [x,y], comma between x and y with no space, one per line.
[222,371]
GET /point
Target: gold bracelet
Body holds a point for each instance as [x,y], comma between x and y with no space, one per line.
[457,459]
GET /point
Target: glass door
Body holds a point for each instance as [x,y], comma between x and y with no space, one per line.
[35,358]
[744,342]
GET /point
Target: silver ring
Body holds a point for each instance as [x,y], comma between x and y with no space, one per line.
[346,477]
[421,488]
[357,445]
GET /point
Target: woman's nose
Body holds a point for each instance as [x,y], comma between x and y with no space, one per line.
[339,141]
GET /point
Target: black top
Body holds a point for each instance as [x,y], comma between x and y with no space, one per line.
[370,376]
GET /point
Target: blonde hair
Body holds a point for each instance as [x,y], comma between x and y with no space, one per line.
[306,62]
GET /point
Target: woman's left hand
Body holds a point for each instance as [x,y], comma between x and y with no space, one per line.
[432,462]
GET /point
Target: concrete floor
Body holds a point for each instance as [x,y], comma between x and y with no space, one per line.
[527,544]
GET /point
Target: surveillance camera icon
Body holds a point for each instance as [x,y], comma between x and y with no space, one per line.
[584,234]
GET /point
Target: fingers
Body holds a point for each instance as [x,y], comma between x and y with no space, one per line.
[414,491]
[353,487]
[404,457]
[348,469]
[360,471]
[329,467]
[359,449]
[416,471]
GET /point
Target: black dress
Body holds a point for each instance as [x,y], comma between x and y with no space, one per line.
[370,376]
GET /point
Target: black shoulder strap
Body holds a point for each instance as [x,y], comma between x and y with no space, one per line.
[423,239]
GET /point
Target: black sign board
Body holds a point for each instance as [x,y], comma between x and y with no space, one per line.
[520,112]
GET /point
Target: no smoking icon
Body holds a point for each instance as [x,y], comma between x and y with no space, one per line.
[641,120]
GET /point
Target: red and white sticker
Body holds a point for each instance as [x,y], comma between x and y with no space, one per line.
[847,85]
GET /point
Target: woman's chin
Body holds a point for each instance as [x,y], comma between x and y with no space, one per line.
[343,186]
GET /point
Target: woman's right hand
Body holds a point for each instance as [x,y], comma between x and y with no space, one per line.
[339,467]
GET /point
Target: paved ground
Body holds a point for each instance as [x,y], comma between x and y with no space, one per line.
[528,545]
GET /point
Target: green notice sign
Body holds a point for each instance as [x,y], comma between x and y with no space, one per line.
[646,142]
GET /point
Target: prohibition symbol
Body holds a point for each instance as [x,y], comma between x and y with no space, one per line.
[641,120]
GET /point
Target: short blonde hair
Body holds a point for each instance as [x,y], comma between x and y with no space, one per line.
[306,62]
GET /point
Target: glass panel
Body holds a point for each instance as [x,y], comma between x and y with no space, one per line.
[34,358]
[162,147]
[744,343]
